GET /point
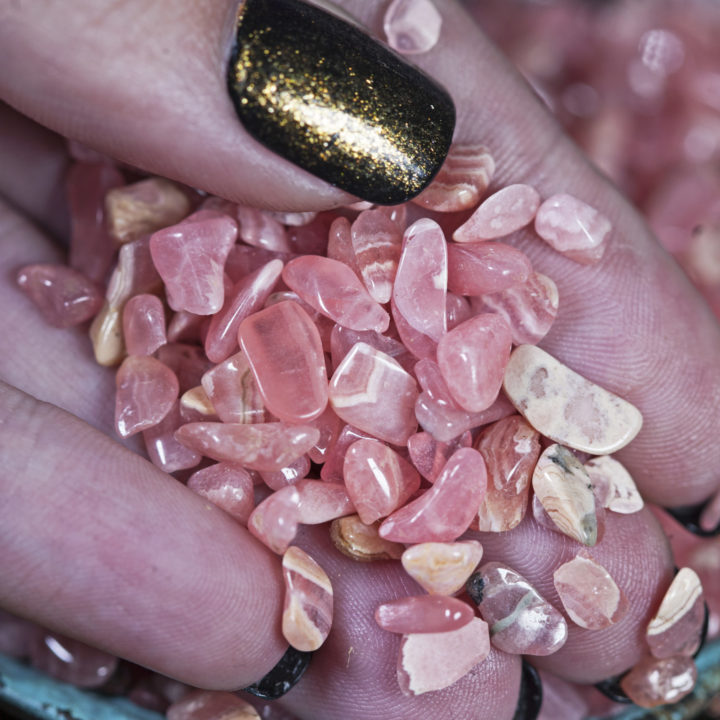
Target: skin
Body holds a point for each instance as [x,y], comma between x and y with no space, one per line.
[100,545]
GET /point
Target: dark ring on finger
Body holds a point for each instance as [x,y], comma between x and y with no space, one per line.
[283,676]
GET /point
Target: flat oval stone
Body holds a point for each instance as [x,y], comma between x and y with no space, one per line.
[228,486]
[211,705]
[231,389]
[423,614]
[144,324]
[654,682]
[614,484]
[361,542]
[566,407]
[412,26]
[442,568]
[485,267]
[274,522]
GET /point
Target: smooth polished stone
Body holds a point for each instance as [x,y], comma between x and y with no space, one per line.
[654,682]
[573,228]
[377,479]
[445,511]
[442,568]
[264,446]
[423,614]
[228,486]
[274,522]
[420,289]
[412,26]
[308,608]
[614,484]
[521,621]
[676,628]
[233,392]
[419,344]
[134,273]
[323,323]
[321,501]
[340,245]
[433,661]
[361,542]
[332,289]
[461,181]
[589,594]
[563,487]
[457,310]
[330,426]
[106,336]
[284,350]
[211,705]
[397,213]
[332,470]
[289,475]
[502,213]
[429,455]
[163,449]
[485,267]
[246,259]
[146,390]
[472,360]
[510,448]
[342,340]
[371,391]
[144,324]
[260,229]
[566,407]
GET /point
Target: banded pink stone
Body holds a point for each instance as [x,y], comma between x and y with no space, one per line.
[614,484]
[308,608]
[228,486]
[654,682]
[134,273]
[342,340]
[423,614]
[429,455]
[260,229]
[442,568]
[485,267]
[144,324]
[233,392]
[412,26]
[163,449]
[274,522]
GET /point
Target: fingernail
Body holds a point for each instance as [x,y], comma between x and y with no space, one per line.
[530,700]
[610,688]
[283,677]
[690,518]
[329,98]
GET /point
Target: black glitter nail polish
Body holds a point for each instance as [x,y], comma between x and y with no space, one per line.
[530,700]
[704,631]
[610,688]
[689,518]
[329,98]
[283,676]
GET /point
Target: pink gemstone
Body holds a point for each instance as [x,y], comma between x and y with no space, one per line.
[445,511]
[311,238]
[190,259]
[429,455]
[485,267]
[510,448]
[377,479]
[64,296]
[321,501]
[144,324]
[419,344]
[333,289]
[329,425]
[376,240]
[233,392]
[246,259]
[134,273]
[457,310]
[615,484]
[283,347]
[343,339]
[472,359]
[308,609]
[185,327]
[442,568]
[573,228]
[228,486]
[461,181]
[412,26]
[146,392]
[188,362]
[397,213]
[289,475]
[655,682]
[211,705]
[371,391]
[503,213]
[420,285]
[521,621]
[433,661]
[265,446]
[423,614]
[275,520]
[340,245]
[542,518]
[260,229]
[332,470]
[246,297]
[163,449]
[323,323]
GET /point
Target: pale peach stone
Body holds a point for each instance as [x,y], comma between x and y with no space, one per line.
[412,26]
[442,568]
[106,336]
[566,407]
[618,488]
[654,682]
[211,705]
[197,401]
[361,542]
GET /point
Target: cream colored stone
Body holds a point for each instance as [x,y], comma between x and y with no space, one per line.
[621,493]
[679,599]
[106,335]
[442,568]
[362,542]
[196,399]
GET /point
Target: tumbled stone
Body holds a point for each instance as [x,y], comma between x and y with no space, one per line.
[371,391]
[614,484]
[412,26]
[321,501]
[566,407]
[573,228]
[654,682]
[442,568]
[323,323]
[433,661]
[144,324]
[377,479]
[676,628]
[472,360]
[510,448]
[196,406]
[289,475]
[461,181]
[228,486]
[397,213]
[563,487]
[419,344]
[340,245]
[332,470]
[457,310]
[106,336]
[485,267]
[293,219]
[329,425]
[521,621]
[146,390]
[342,340]
[445,511]
[163,449]
[308,608]
[185,327]
[232,391]
[589,594]
[274,522]
[361,542]
[211,705]
[429,455]
[261,229]
[134,273]
[423,614]
[502,213]
[246,259]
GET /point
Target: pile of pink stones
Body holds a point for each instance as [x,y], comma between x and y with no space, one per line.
[356,368]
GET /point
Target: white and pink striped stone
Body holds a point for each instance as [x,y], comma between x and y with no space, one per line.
[144,324]
[423,614]
[228,486]
[412,26]
[231,389]
[482,268]
[442,568]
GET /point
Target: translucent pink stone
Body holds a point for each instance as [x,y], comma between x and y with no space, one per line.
[190,259]
[260,229]
[377,479]
[521,621]
[461,181]
[420,287]
[321,501]
[246,297]
[361,542]
[308,608]
[433,661]
[510,448]
[573,228]
[371,391]
[343,339]
[331,288]
[423,614]
[228,486]
[429,455]
[332,470]
[163,449]
[457,310]
[376,240]
[185,327]
[340,245]
[245,259]
[419,344]
[445,511]
[412,26]
[144,324]
[614,484]
[233,392]
[311,238]
[503,213]
[211,705]
[442,568]
[329,425]
[323,323]
[397,213]
[146,390]
[289,475]
[188,362]
[283,347]
[654,682]
[275,520]
[528,308]
[485,267]
[472,360]
[64,296]
[265,446]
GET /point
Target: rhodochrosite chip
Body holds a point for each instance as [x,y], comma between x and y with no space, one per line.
[442,568]
[423,614]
